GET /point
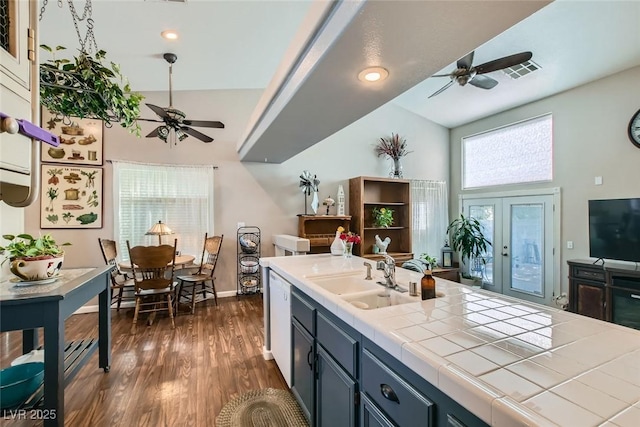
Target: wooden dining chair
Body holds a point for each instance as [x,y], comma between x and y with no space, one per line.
[203,280]
[122,287]
[153,268]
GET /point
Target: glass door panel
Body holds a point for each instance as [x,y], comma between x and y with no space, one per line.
[485,214]
[527,222]
[519,261]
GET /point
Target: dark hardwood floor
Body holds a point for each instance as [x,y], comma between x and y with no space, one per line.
[165,377]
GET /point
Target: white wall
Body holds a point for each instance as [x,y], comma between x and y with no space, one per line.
[11,222]
[589,139]
[263,195]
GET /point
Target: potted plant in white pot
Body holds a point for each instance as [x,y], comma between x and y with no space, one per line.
[33,259]
[469,241]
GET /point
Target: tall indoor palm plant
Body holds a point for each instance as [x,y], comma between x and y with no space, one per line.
[468,240]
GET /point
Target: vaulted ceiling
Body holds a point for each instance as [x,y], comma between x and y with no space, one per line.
[244,44]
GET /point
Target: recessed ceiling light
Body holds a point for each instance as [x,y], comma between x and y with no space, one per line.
[373,74]
[169,34]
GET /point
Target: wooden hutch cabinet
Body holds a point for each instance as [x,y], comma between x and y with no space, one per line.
[366,193]
[321,230]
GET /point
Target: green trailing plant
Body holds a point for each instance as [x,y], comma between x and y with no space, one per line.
[429,260]
[383,217]
[26,246]
[86,88]
[467,239]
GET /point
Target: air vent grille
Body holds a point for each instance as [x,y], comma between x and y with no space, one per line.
[521,70]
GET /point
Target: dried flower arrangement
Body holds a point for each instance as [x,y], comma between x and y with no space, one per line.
[394,146]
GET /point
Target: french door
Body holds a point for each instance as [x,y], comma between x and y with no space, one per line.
[520,261]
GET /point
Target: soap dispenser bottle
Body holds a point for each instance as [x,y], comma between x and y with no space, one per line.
[428,285]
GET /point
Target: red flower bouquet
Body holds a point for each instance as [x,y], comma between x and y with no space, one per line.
[350,237]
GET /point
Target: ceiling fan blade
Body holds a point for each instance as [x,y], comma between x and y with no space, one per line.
[442,89]
[150,120]
[158,110]
[196,134]
[507,61]
[466,61]
[204,123]
[483,82]
[154,133]
[442,75]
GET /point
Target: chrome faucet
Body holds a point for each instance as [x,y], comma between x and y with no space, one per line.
[388,267]
[366,264]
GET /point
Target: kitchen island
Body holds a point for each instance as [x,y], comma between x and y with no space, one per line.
[506,361]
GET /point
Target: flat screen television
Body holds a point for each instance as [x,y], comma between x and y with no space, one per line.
[614,229]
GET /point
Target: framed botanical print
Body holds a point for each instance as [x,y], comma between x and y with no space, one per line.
[71,197]
[80,140]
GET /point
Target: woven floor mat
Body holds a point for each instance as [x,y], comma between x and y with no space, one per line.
[262,408]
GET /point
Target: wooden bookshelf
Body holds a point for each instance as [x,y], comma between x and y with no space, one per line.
[366,193]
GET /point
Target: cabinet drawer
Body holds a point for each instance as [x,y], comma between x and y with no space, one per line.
[338,343]
[397,398]
[588,273]
[319,241]
[303,312]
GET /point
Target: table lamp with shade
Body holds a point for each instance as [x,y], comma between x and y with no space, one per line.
[159,230]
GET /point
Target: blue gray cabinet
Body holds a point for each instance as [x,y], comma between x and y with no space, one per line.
[324,366]
[303,367]
[336,391]
[341,378]
[370,415]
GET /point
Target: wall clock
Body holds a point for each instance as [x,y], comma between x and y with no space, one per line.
[634,129]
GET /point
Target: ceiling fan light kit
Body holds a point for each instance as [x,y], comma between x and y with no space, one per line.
[474,75]
[176,120]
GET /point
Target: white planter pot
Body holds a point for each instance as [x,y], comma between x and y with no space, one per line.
[36,269]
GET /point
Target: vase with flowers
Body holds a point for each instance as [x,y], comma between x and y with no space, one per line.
[393,147]
[349,239]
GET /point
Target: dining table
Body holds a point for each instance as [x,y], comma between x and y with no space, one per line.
[181,262]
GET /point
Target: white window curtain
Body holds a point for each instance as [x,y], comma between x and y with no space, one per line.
[430,217]
[179,196]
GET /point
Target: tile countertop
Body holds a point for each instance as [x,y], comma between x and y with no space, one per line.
[510,362]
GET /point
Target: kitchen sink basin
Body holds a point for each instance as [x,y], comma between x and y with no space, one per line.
[378,299]
[346,284]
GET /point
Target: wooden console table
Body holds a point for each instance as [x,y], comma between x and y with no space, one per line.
[48,306]
[609,291]
[449,273]
[321,230]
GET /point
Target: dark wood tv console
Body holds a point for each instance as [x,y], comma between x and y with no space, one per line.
[609,291]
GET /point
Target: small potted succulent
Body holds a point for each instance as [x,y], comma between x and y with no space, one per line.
[33,259]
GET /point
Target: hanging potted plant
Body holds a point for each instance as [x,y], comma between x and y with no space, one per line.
[33,259]
[467,238]
[84,87]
